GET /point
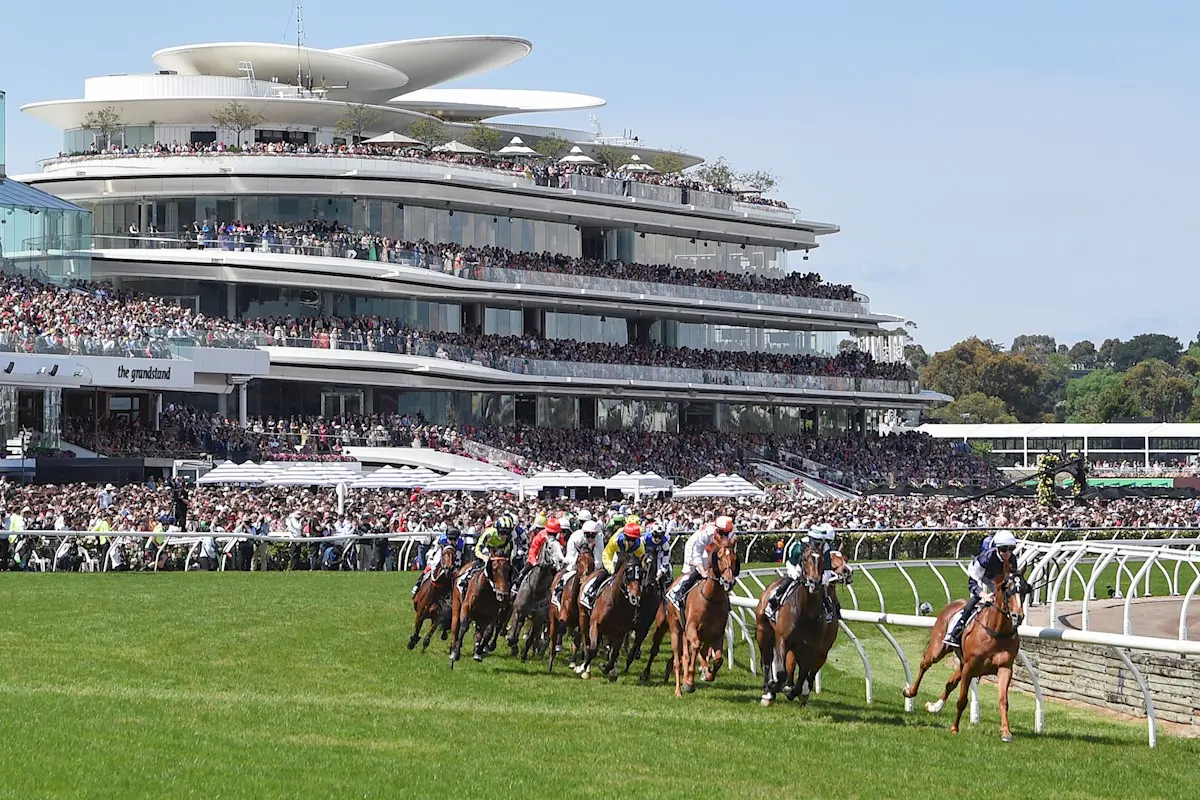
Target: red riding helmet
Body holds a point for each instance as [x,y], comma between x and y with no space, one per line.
[632,529]
[553,526]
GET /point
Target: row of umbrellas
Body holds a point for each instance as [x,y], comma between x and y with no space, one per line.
[515,148]
[464,480]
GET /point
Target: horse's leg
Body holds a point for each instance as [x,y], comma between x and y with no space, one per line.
[955,677]
[590,648]
[457,631]
[535,632]
[554,635]
[678,653]
[934,652]
[1004,678]
[655,643]
[614,652]
[416,634]
[764,634]
[481,637]
[966,675]
[435,621]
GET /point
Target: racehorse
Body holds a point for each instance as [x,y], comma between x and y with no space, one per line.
[817,633]
[989,647]
[611,617]
[431,600]
[701,627]
[778,641]
[564,618]
[532,603]
[654,594]
[482,602]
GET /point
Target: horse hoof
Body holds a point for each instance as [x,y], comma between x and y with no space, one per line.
[1006,737]
[643,679]
[907,691]
[512,651]
[412,643]
[586,674]
[934,708]
[612,676]
[954,729]
[477,656]
[767,701]
[445,635]
[689,688]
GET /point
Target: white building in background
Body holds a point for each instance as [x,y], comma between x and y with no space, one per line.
[295,169]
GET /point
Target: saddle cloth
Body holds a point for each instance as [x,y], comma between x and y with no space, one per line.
[557,594]
[590,591]
[778,599]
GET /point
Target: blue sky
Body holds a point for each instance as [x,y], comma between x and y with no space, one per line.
[997,169]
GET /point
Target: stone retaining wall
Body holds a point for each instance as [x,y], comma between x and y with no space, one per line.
[1098,677]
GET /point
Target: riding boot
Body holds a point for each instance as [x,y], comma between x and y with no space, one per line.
[417,585]
[677,595]
[776,599]
[954,637]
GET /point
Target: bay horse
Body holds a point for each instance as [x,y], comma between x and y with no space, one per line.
[818,634]
[654,594]
[431,600]
[564,618]
[989,647]
[701,627]
[779,640]
[611,617]
[532,603]
[482,603]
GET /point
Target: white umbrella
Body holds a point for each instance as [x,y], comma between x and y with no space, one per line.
[391,137]
[577,156]
[457,147]
[721,486]
[316,474]
[476,480]
[637,166]
[229,472]
[389,477]
[517,148]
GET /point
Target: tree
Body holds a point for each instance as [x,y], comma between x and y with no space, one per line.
[1160,390]
[1148,346]
[429,132]
[483,137]
[916,357]
[1097,397]
[718,173]
[104,123]
[667,163]
[356,120]
[1015,381]
[760,180]
[237,119]
[1035,347]
[553,146]
[1107,354]
[956,371]
[611,157]
[974,407]
[847,345]
[1083,354]
[1052,384]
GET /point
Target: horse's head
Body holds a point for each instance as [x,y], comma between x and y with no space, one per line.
[724,562]
[840,566]
[1010,590]
[445,564]
[585,564]
[810,568]
[631,581]
[499,575]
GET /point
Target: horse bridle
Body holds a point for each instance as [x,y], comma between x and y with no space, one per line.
[636,569]
[487,571]
[1017,618]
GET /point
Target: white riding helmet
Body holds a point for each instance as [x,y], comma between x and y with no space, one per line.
[822,533]
[584,515]
[591,526]
[1004,539]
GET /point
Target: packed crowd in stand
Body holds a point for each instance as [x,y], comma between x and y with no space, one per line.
[1107,469]
[333,239]
[543,171]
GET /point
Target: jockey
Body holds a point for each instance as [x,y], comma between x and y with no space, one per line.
[656,541]
[627,542]
[547,539]
[983,570]
[793,564]
[496,540]
[587,537]
[452,538]
[696,558]
[821,538]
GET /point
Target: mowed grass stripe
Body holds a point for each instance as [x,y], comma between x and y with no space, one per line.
[299,685]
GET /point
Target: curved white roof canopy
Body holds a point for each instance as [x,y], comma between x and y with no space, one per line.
[328,68]
[439,59]
[472,104]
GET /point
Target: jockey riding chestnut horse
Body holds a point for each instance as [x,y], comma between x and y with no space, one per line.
[612,615]
[783,611]
[429,603]
[985,643]
[481,593]
[564,605]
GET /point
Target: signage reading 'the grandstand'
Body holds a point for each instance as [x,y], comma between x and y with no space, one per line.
[141,373]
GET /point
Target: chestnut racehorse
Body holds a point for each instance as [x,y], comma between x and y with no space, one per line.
[778,641]
[701,627]
[482,603]
[611,617]
[989,646]
[564,618]
[430,601]
[818,633]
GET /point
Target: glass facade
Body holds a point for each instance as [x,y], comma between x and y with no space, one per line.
[1,134]
[42,236]
[687,253]
[77,141]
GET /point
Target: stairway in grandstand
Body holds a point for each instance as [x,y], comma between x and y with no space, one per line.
[813,487]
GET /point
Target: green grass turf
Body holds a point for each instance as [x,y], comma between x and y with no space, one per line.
[298,685]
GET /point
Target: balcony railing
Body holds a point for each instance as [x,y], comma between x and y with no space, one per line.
[641,373]
[160,343]
[482,271]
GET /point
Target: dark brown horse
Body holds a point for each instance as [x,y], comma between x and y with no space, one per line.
[611,617]
[817,633]
[564,618]
[431,600]
[654,594]
[779,640]
[989,647]
[482,603]
[699,633]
